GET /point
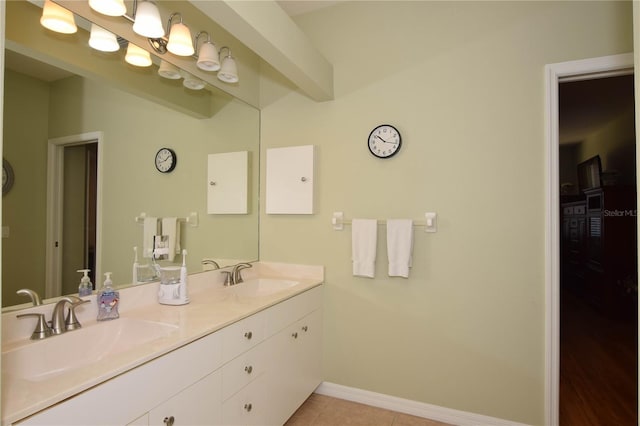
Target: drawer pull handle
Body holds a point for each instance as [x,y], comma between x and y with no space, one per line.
[248,407]
[248,369]
[248,335]
[169,421]
[294,335]
[305,328]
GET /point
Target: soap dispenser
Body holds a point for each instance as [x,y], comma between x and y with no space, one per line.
[86,287]
[108,300]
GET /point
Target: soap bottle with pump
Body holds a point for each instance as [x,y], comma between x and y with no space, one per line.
[85,288]
[108,300]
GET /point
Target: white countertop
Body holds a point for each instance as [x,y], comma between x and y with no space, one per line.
[212,307]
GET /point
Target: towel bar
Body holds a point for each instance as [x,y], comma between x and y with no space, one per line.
[430,223]
[190,219]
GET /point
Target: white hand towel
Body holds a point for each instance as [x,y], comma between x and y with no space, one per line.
[171,228]
[364,237]
[399,246]
[149,230]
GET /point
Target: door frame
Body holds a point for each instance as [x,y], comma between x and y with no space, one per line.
[55,196]
[606,66]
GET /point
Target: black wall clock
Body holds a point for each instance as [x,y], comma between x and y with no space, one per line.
[166,160]
[384,141]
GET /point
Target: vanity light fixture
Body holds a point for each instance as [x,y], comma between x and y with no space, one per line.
[137,56]
[179,37]
[147,21]
[103,40]
[57,18]
[109,7]
[229,70]
[168,70]
[207,54]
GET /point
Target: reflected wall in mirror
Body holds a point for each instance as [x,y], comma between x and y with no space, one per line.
[136,113]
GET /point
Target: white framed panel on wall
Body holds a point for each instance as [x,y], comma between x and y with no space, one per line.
[228,183]
[290,180]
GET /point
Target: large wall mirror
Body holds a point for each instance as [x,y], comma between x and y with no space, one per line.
[111,129]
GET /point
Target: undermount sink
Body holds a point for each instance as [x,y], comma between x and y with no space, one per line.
[258,287]
[42,360]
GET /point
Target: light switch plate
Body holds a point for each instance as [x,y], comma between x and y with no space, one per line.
[431,222]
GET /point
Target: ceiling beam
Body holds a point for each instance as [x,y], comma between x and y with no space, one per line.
[267,30]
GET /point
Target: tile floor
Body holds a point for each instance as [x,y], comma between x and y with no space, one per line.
[322,410]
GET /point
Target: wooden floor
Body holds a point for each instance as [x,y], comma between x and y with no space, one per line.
[598,367]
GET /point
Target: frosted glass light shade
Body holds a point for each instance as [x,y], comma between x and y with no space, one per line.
[103,40]
[229,71]
[147,21]
[168,70]
[180,40]
[108,7]
[57,18]
[191,82]
[208,59]
[137,56]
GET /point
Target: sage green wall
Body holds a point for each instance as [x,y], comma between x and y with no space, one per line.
[26,105]
[134,129]
[464,84]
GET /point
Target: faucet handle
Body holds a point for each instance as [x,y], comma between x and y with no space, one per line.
[42,330]
[71,321]
[227,277]
[35,299]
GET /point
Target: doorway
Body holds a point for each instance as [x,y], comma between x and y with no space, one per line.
[73,211]
[598,256]
[555,74]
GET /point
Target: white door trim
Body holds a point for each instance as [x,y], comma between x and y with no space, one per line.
[554,73]
[55,169]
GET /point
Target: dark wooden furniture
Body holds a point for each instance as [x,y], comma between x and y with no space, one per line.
[598,248]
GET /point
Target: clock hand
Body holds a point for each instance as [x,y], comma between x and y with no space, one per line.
[377,136]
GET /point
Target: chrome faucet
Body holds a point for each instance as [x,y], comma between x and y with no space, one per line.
[236,276]
[211,262]
[58,322]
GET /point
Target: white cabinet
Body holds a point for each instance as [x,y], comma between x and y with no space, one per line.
[256,371]
[228,183]
[199,404]
[296,369]
[290,180]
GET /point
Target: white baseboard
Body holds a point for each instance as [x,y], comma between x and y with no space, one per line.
[414,408]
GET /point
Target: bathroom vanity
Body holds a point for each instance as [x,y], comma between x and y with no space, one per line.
[245,354]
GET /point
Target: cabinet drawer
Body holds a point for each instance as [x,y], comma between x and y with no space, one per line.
[568,210]
[250,406]
[579,210]
[290,311]
[242,336]
[243,370]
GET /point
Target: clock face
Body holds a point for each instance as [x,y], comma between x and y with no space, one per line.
[384,141]
[166,160]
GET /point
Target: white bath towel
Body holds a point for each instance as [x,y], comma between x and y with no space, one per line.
[399,246]
[149,230]
[364,237]
[171,229]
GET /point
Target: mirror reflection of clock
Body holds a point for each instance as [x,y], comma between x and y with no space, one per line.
[8,177]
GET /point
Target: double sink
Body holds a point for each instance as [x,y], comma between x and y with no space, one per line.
[45,359]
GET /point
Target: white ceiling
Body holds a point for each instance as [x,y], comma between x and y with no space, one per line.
[299,7]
